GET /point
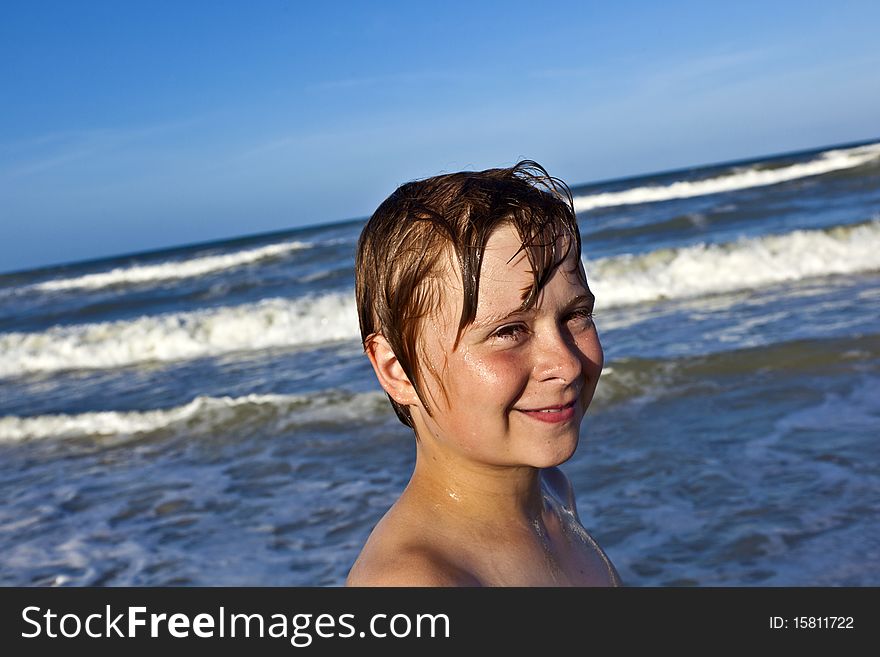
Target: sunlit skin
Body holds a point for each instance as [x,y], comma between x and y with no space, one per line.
[486,504]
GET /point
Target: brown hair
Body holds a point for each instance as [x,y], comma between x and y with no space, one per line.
[399,253]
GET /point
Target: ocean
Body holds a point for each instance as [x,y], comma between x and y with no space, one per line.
[205,415]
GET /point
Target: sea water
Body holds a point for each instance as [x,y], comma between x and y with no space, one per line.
[205,415]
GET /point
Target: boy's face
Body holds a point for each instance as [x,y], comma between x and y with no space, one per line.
[518,383]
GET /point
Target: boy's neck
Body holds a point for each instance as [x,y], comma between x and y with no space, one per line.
[479,492]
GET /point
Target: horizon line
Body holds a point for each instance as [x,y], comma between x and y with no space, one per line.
[340,222]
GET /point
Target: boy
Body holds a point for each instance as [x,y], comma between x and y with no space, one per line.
[476,316]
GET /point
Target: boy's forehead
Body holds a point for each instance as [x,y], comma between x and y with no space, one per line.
[504,259]
[505,268]
[505,276]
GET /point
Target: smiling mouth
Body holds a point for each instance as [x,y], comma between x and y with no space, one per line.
[558,413]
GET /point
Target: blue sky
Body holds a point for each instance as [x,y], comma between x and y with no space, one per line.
[129,126]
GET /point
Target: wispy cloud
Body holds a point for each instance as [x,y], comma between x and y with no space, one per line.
[565,73]
[274,144]
[727,63]
[666,71]
[53,150]
[348,83]
[392,79]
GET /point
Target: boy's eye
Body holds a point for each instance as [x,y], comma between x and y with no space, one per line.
[582,315]
[510,331]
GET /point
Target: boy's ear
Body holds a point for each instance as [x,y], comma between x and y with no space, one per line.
[390,373]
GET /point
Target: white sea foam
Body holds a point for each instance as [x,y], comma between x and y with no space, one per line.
[744,264]
[180,336]
[691,271]
[171,270]
[826,162]
[203,415]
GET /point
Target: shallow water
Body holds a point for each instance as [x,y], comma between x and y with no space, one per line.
[205,415]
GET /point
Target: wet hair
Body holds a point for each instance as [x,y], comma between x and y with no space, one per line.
[404,247]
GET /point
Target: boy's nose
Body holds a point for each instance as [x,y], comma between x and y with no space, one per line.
[558,357]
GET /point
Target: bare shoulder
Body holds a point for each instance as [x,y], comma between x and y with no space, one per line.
[560,487]
[405,550]
[412,565]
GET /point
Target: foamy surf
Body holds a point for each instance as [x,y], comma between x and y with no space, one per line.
[834,160]
[278,413]
[181,336]
[203,415]
[165,271]
[684,272]
[747,263]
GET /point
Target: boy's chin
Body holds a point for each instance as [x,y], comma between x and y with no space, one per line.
[552,457]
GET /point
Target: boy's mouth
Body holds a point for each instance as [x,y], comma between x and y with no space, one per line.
[554,413]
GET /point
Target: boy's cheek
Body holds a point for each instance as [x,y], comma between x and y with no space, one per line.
[495,369]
